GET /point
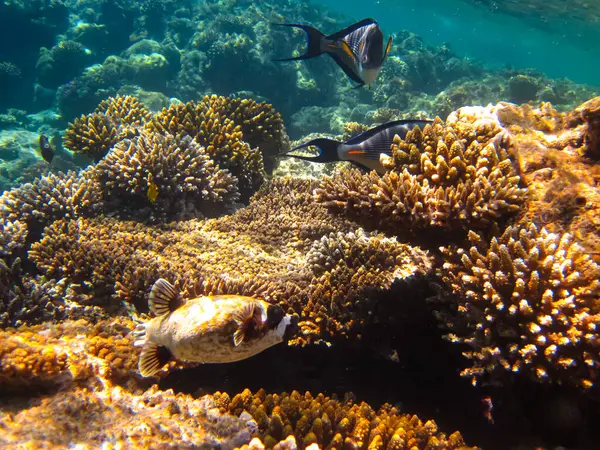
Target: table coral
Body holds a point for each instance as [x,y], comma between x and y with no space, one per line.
[448,175]
[184,178]
[530,298]
[333,423]
[260,249]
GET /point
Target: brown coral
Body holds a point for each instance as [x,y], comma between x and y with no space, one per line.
[448,175]
[114,119]
[261,125]
[531,300]
[260,250]
[220,135]
[115,417]
[13,236]
[50,197]
[172,173]
[72,352]
[93,135]
[125,109]
[588,115]
[332,423]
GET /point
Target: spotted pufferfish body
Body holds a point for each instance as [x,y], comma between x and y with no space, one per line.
[209,329]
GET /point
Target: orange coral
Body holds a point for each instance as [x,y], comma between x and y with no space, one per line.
[531,300]
[448,175]
[332,423]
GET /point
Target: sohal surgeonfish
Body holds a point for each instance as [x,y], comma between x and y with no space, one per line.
[358,49]
[363,150]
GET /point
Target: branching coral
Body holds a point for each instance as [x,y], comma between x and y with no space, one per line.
[531,299]
[220,135]
[13,236]
[332,423]
[125,110]
[114,119]
[50,197]
[448,175]
[92,135]
[260,250]
[348,270]
[173,173]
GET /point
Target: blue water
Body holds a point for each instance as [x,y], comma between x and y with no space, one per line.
[559,48]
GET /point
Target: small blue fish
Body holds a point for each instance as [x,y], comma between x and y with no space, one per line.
[364,149]
[358,49]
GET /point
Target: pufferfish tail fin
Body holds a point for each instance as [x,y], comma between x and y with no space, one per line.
[153,358]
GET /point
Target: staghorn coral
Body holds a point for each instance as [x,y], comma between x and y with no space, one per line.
[184,179]
[49,197]
[92,135]
[449,175]
[115,119]
[124,109]
[531,303]
[333,423]
[221,136]
[13,236]
[261,125]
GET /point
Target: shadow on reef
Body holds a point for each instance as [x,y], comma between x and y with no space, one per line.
[422,377]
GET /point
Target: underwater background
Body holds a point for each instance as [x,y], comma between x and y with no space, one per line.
[450,299]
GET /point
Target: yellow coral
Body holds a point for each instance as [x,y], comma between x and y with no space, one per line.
[531,298]
[448,175]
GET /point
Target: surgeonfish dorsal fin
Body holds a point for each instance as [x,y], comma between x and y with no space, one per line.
[242,319]
[163,298]
[346,31]
[152,359]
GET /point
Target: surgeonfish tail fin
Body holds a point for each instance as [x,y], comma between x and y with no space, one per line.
[163,298]
[387,49]
[313,41]
[153,358]
[327,150]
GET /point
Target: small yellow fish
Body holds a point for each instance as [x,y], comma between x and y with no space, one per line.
[152,192]
[215,329]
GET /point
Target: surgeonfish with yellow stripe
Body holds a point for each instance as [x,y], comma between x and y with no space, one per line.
[363,150]
[357,49]
[208,329]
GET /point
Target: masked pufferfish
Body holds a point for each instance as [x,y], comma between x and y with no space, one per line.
[208,329]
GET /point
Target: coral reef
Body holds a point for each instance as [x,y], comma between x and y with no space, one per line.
[172,173]
[110,260]
[531,298]
[223,139]
[333,423]
[449,175]
[50,197]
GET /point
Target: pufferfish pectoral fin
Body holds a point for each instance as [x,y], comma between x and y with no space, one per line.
[153,358]
[242,319]
[163,298]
